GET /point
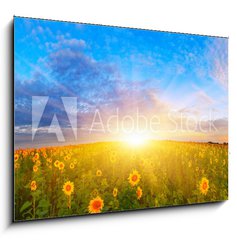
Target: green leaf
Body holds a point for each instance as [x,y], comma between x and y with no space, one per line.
[43,203]
[25,206]
[41,213]
[29,213]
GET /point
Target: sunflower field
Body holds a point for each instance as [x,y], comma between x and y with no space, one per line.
[112,176]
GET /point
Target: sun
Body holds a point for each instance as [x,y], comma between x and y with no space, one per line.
[136,139]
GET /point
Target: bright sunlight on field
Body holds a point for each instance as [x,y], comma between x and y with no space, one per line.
[135,140]
[113,176]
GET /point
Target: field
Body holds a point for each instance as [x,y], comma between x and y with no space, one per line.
[113,176]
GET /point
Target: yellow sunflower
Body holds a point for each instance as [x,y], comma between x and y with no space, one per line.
[36,157]
[72,165]
[33,186]
[16,157]
[189,164]
[113,159]
[25,153]
[98,173]
[204,186]
[96,205]
[66,158]
[68,188]
[35,168]
[56,163]
[224,162]
[16,165]
[134,178]
[75,161]
[38,163]
[139,193]
[115,192]
[61,166]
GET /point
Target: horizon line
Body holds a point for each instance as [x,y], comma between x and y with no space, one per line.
[120,141]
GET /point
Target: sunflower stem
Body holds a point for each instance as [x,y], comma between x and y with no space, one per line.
[33,206]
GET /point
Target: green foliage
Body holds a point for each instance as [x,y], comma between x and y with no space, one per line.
[170,173]
[26,205]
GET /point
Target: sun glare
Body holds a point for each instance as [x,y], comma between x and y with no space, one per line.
[136,140]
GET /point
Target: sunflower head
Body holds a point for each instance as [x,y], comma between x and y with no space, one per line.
[98,173]
[24,153]
[224,162]
[96,205]
[16,165]
[16,157]
[115,192]
[33,186]
[36,157]
[56,163]
[61,166]
[113,158]
[72,165]
[204,186]
[35,168]
[38,163]
[67,157]
[134,178]
[75,161]
[139,193]
[68,188]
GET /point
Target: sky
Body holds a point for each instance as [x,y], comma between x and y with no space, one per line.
[77,83]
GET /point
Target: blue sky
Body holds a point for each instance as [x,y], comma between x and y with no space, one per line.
[110,67]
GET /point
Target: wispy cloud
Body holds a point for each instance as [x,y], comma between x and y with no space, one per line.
[156,74]
[218,55]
